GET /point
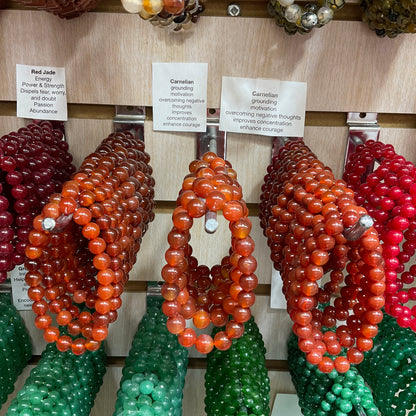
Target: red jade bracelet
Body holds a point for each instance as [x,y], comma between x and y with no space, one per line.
[306,214]
[194,291]
[389,195]
[85,242]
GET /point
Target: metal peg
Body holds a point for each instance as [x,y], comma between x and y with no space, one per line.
[130,118]
[56,226]
[213,140]
[5,287]
[359,228]
[361,128]
[154,289]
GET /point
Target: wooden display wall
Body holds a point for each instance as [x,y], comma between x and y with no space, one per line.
[108,54]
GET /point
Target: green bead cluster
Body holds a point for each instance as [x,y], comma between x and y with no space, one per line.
[154,372]
[15,346]
[236,380]
[332,394]
[390,17]
[390,369]
[62,384]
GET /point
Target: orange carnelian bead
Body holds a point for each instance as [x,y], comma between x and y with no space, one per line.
[51,334]
[221,341]
[232,211]
[102,261]
[234,329]
[204,343]
[187,337]
[91,231]
[43,321]
[176,324]
[99,333]
[33,252]
[64,343]
[215,200]
[78,346]
[97,245]
[63,318]
[102,306]
[201,319]
[196,208]
[82,216]
[51,210]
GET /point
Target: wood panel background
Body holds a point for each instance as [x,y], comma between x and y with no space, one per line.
[108,56]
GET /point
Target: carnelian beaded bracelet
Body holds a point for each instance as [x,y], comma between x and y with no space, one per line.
[85,242]
[389,195]
[306,223]
[193,291]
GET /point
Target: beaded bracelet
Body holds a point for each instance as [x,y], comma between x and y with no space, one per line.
[297,19]
[34,162]
[154,372]
[236,380]
[61,384]
[389,369]
[305,212]
[323,394]
[194,291]
[167,14]
[389,195]
[85,242]
[391,17]
[65,9]
[15,346]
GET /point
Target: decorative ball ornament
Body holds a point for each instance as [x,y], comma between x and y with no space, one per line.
[193,291]
[390,18]
[389,195]
[306,215]
[175,15]
[84,243]
[302,19]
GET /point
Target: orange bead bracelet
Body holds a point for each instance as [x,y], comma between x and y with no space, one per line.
[193,291]
[305,213]
[85,242]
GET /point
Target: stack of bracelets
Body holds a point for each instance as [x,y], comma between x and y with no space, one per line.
[167,14]
[306,215]
[15,347]
[389,369]
[323,394]
[85,242]
[154,373]
[302,19]
[390,18]
[194,291]
[61,384]
[34,162]
[65,9]
[236,381]
[389,195]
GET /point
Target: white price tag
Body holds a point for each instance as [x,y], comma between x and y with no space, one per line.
[19,289]
[268,107]
[41,92]
[286,405]
[277,299]
[180,96]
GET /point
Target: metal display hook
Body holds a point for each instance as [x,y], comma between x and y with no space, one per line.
[212,140]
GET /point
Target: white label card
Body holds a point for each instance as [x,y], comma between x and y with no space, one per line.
[19,289]
[277,298]
[41,92]
[268,107]
[180,96]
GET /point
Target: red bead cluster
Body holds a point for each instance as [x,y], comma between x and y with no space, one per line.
[100,218]
[194,291]
[389,195]
[304,212]
[34,162]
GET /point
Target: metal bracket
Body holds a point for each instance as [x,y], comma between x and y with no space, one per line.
[154,289]
[5,287]
[361,127]
[280,142]
[130,118]
[213,140]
